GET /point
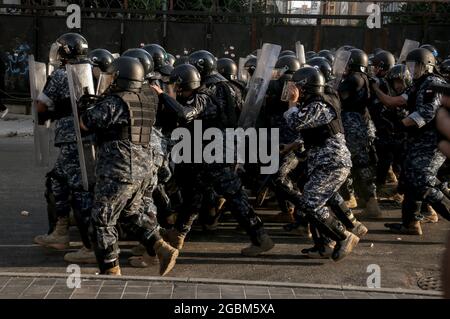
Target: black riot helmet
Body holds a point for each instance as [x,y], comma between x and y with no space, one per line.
[69,46]
[250,65]
[420,61]
[204,61]
[444,69]
[310,55]
[145,58]
[431,48]
[358,60]
[170,59]
[186,77]
[101,58]
[286,52]
[399,72]
[324,67]
[383,59]
[206,64]
[128,74]
[227,68]
[159,56]
[310,80]
[327,54]
[289,62]
[421,55]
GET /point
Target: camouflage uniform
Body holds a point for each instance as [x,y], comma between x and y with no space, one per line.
[123,173]
[285,187]
[64,180]
[161,171]
[195,180]
[390,140]
[422,158]
[328,165]
[359,134]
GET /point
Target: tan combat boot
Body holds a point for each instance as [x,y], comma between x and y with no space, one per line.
[345,247]
[359,229]
[167,256]
[173,237]
[59,238]
[412,228]
[391,178]
[81,256]
[429,216]
[372,209]
[114,271]
[266,244]
[351,203]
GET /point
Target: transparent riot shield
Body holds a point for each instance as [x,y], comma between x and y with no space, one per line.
[300,52]
[243,75]
[104,81]
[339,66]
[43,134]
[80,81]
[258,85]
[408,46]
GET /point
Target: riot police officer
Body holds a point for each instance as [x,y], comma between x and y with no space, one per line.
[316,117]
[64,181]
[354,92]
[195,102]
[422,159]
[123,119]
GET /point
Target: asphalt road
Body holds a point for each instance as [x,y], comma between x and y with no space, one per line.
[402,259]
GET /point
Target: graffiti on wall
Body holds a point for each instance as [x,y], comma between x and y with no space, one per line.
[16,68]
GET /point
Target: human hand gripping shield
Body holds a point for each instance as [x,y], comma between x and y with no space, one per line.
[44,150]
[80,81]
[258,85]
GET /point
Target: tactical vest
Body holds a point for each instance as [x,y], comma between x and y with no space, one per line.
[142,108]
[361,100]
[318,135]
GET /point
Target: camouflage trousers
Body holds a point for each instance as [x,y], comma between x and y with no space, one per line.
[321,189]
[418,180]
[65,191]
[284,186]
[359,134]
[120,202]
[199,180]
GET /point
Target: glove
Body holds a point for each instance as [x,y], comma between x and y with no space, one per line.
[373,80]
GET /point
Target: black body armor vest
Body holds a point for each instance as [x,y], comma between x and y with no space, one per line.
[318,135]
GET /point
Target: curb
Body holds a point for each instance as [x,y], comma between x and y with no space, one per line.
[232,282]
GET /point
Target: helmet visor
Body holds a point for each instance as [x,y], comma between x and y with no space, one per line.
[53,56]
[415,69]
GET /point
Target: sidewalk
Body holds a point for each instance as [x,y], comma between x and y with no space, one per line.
[16,125]
[54,286]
